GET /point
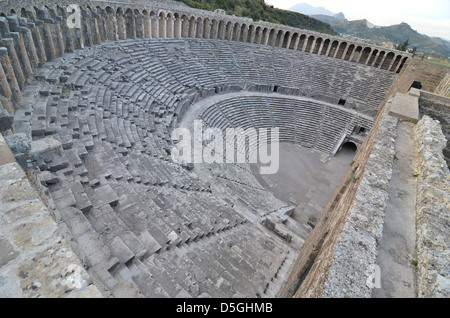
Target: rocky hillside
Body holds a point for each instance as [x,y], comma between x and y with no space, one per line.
[394,33]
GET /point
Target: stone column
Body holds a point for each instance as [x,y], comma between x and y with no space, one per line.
[5,90]
[10,76]
[38,42]
[14,60]
[31,47]
[86,28]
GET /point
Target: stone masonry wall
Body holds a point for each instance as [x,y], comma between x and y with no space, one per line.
[432,211]
[444,86]
[35,259]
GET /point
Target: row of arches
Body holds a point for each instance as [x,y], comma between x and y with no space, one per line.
[42,33]
[122,23]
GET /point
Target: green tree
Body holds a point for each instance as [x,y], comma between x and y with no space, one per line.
[403,46]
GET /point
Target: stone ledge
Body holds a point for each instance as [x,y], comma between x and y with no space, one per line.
[356,250]
[405,107]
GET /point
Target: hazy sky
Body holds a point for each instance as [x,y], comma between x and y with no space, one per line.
[430,17]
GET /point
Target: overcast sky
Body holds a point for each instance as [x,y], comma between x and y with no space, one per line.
[430,17]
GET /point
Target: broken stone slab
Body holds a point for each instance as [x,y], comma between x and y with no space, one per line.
[269,224]
[405,107]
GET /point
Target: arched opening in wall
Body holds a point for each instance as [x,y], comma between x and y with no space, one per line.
[251,34]
[229,31]
[348,147]
[349,54]
[326,45]
[309,44]
[294,41]
[333,48]
[162,21]
[264,36]
[372,57]
[213,30]
[416,84]
[192,27]
[236,32]
[244,33]
[396,63]
[184,26]
[130,24]
[170,22]
[365,55]
[111,32]
[387,61]
[138,23]
[258,35]
[146,24]
[177,26]
[402,64]
[317,46]
[272,37]
[279,39]
[206,28]
[379,59]
[301,42]
[199,32]
[356,54]
[286,38]
[23,14]
[341,50]
[154,24]
[221,30]
[121,28]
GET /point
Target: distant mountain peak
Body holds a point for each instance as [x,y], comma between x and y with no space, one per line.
[308,9]
[339,16]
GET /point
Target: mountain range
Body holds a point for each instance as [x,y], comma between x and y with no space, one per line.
[381,35]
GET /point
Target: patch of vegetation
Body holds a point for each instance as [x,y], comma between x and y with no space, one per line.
[414,262]
[259,10]
[352,178]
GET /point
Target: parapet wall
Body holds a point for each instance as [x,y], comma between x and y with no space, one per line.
[432,210]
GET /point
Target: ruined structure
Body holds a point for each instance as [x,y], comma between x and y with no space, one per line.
[90,94]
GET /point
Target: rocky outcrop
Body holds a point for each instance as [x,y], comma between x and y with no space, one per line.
[432,211]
